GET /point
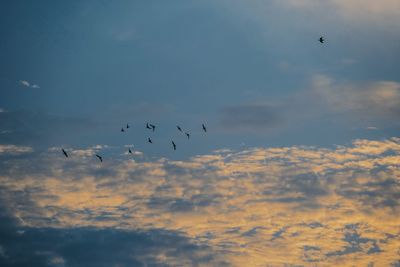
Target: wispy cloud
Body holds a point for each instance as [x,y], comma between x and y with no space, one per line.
[13,149]
[355,9]
[28,84]
[373,99]
[251,117]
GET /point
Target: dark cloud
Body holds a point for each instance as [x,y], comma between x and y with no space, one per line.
[356,243]
[173,204]
[379,194]
[307,186]
[251,117]
[76,247]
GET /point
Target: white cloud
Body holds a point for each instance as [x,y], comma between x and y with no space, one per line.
[13,149]
[28,84]
[25,83]
[372,128]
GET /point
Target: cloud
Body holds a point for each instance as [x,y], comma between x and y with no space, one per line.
[13,149]
[359,104]
[28,84]
[98,247]
[250,117]
[296,204]
[355,9]
[379,99]
[25,83]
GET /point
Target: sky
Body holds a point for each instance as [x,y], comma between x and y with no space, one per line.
[300,164]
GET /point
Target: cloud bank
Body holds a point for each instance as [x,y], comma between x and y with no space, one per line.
[286,205]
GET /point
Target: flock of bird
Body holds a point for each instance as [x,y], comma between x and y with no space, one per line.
[148,126]
[153,128]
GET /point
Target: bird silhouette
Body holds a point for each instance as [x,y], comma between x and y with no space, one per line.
[100,157]
[149,140]
[204,128]
[179,128]
[188,135]
[173,144]
[127,126]
[321,39]
[130,151]
[153,127]
[122,130]
[65,153]
[147,125]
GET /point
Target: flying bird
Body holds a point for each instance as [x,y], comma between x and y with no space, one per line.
[65,153]
[130,151]
[153,127]
[188,135]
[147,125]
[173,144]
[321,39]
[127,126]
[100,157]
[149,140]
[122,130]
[179,128]
[204,128]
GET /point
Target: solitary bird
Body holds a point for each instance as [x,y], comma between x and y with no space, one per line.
[100,157]
[147,125]
[149,140]
[321,39]
[122,130]
[153,127]
[173,144]
[65,153]
[188,135]
[204,128]
[179,128]
[130,151]
[127,126]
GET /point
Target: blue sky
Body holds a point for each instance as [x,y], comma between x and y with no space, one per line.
[102,64]
[74,73]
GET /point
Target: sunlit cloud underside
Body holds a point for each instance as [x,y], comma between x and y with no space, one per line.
[263,206]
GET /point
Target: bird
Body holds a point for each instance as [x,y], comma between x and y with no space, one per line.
[173,144]
[65,153]
[321,39]
[204,128]
[153,127]
[122,130]
[188,135]
[149,140]
[130,151]
[179,128]
[147,125]
[100,157]
[127,126]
